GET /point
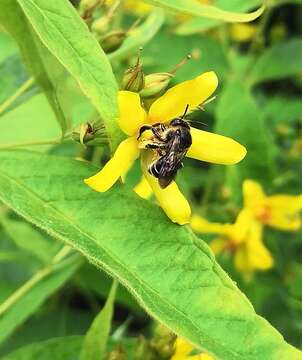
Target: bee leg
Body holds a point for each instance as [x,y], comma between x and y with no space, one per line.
[143,129]
[155,146]
[158,131]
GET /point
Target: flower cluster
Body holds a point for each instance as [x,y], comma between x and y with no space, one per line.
[244,238]
[205,146]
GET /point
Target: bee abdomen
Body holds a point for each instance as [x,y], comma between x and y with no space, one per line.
[153,170]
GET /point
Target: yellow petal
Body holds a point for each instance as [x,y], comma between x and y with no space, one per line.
[137,7]
[143,189]
[123,158]
[241,228]
[131,114]
[259,256]
[203,357]
[283,221]
[253,195]
[241,260]
[215,148]
[182,349]
[199,224]
[284,212]
[171,200]
[218,245]
[192,92]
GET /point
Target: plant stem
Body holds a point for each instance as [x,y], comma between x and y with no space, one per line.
[258,40]
[7,103]
[41,274]
[33,143]
[30,143]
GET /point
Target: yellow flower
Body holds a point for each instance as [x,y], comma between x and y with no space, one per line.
[243,32]
[137,7]
[133,6]
[183,350]
[243,239]
[205,146]
[278,211]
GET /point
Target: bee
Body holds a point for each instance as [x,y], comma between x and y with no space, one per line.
[170,144]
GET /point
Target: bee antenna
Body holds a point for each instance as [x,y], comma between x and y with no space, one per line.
[185,112]
[190,121]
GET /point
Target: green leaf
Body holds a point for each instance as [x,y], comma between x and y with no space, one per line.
[96,338]
[283,110]
[23,124]
[197,24]
[8,46]
[193,7]
[67,37]
[62,348]
[13,77]
[244,123]
[47,71]
[29,239]
[279,61]
[92,280]
[169,270]
[140,35]
[29,302]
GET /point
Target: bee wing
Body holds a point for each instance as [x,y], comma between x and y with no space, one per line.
[169,167]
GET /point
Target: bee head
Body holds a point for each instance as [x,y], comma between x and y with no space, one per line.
[180,122]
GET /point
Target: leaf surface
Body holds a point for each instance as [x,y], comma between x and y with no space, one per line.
[171,272]
[96,338]
[140,35]
[66,348]
[278,62]
[66,36]
[31,300]
[197,24]
[47,71]
[193,7]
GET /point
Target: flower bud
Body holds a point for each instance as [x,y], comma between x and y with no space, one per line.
[163,342]
[101,25]
[117,354]
[155,84]
[134,78]
[143,350]
[87,8]
[89,134]
[113,40]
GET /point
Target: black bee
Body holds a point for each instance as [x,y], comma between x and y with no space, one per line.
[170,144]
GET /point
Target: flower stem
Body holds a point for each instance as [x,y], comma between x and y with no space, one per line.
[40,275]
[7,103]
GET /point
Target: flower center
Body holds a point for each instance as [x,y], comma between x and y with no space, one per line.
[231,246]
[264,214]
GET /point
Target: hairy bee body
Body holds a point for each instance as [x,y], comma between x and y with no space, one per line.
[170,144]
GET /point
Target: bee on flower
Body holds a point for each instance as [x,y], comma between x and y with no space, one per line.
[149,137]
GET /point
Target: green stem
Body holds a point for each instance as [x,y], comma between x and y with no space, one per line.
[40,275]
[258,40]
[97,154]
[33,143]
[7,103]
